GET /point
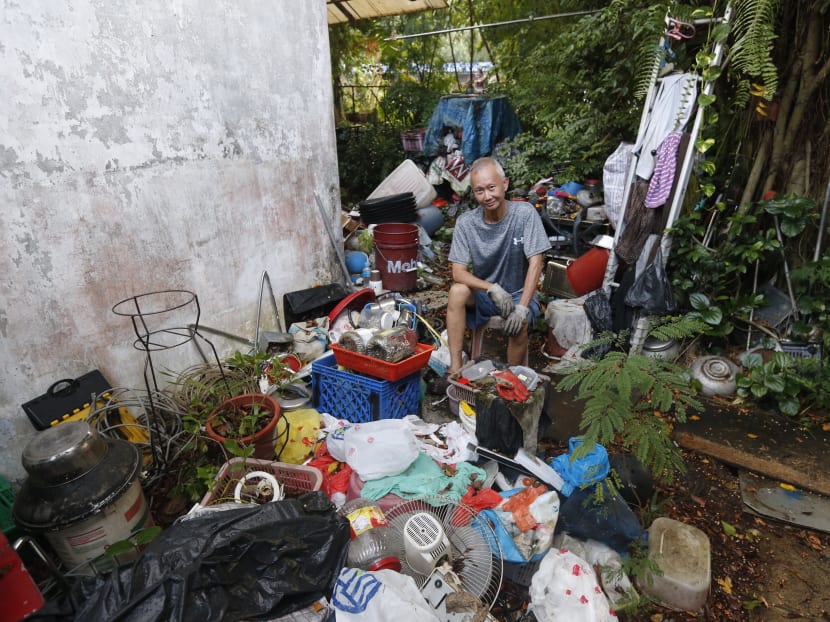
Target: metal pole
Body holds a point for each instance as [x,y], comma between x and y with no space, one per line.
[822,223]
[493,25]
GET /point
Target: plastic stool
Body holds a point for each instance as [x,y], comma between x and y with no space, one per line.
[477,337]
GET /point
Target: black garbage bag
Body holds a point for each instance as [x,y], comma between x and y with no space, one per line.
[256,562]
[496,427]
[598,310]
[610,521]
[651,290]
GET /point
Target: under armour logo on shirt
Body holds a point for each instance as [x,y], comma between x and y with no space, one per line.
[518,241]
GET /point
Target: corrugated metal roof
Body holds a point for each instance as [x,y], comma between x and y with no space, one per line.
[340,11]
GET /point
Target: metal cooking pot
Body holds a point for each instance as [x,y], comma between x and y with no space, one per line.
[716,375]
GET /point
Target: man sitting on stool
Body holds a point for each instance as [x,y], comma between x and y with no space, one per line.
[504,242]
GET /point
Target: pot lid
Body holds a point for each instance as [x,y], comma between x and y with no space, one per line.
[63,453]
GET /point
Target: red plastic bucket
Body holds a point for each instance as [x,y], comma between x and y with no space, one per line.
[396,255]
[585,273]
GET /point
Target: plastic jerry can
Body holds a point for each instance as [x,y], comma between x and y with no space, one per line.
[683,554]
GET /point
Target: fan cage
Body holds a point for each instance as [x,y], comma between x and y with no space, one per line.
[474,552]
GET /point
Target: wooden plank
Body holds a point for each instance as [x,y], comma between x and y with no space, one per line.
[761,441]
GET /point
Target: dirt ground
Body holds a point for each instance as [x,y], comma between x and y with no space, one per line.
[763,570]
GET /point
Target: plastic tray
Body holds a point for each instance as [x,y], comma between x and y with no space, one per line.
[407,177]
[381,369]
[296,479]
[357,398]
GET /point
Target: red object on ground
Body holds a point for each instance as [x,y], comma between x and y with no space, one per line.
[18,591]
[483,499]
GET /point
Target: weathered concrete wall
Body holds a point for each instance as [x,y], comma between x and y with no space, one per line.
[147,146]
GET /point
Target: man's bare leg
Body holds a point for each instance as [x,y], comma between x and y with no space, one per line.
[517,347]
[460,296]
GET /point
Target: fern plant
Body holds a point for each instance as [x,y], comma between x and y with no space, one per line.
[634,401]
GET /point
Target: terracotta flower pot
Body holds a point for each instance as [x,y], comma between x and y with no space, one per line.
[264,441]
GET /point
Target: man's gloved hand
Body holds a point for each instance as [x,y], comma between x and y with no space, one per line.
[502,300]
[513,323]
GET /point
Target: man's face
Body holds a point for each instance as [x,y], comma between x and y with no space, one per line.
[489,187]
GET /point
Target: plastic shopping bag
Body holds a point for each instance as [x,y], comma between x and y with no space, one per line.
[565,587]
[380,448]
[381,596]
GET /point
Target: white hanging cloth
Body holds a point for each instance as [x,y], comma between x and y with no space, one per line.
[672,109]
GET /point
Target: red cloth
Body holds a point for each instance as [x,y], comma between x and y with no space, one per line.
[478,500]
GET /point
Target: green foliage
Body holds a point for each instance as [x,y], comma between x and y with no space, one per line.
[754,28]
[776,380]
[123,551]
[366,155]
[634,400]
[723,276]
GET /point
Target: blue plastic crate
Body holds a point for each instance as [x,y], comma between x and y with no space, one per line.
[358,398]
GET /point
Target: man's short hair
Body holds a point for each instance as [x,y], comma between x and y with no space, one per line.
[487,161]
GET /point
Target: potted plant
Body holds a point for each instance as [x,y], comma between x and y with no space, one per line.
[250,420]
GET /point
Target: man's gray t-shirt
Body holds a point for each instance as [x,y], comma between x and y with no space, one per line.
[499,251]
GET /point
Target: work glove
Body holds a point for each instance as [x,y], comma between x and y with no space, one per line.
[514,322]
[502,300]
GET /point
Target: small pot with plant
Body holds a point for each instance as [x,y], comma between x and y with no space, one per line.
[249,420]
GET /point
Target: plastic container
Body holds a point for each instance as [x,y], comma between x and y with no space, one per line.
[392,345]
[396,255]
[586,272]
[358,398]
[381,369]
[407,177]
[682,553]
[295,479]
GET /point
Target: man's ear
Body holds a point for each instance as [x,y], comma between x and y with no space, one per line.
[506,183]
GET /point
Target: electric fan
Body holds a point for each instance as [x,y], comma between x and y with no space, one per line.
[437,534]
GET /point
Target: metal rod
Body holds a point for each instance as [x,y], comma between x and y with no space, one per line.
[822,223]
[338,248]
[493,25]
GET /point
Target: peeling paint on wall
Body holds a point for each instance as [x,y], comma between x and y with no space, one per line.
[158,145]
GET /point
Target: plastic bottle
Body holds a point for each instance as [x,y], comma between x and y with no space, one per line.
[375,282]
[374,545]
[366,274]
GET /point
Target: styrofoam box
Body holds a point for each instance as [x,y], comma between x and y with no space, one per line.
[407,177]
[683,554]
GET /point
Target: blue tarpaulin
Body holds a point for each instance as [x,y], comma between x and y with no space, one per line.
[483,121]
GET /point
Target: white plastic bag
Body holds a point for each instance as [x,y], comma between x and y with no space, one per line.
[565,587]
[380,448]
[616,584]
[381,596]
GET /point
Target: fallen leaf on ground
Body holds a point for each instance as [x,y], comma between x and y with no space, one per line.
[726,584]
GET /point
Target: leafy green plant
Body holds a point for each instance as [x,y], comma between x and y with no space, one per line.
[634,400]
[776,380]
[365,156]
[124,551]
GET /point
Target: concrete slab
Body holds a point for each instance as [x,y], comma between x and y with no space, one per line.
[761,441]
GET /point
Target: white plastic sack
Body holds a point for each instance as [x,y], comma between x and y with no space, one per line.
[381,596]
[565,587]
[380,448]
[616,584]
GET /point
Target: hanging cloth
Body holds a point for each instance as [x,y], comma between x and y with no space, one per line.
[662,181]
[671,111]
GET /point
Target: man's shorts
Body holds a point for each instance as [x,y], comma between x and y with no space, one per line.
[484,309]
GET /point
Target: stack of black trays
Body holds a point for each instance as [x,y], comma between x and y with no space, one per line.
[392,208]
